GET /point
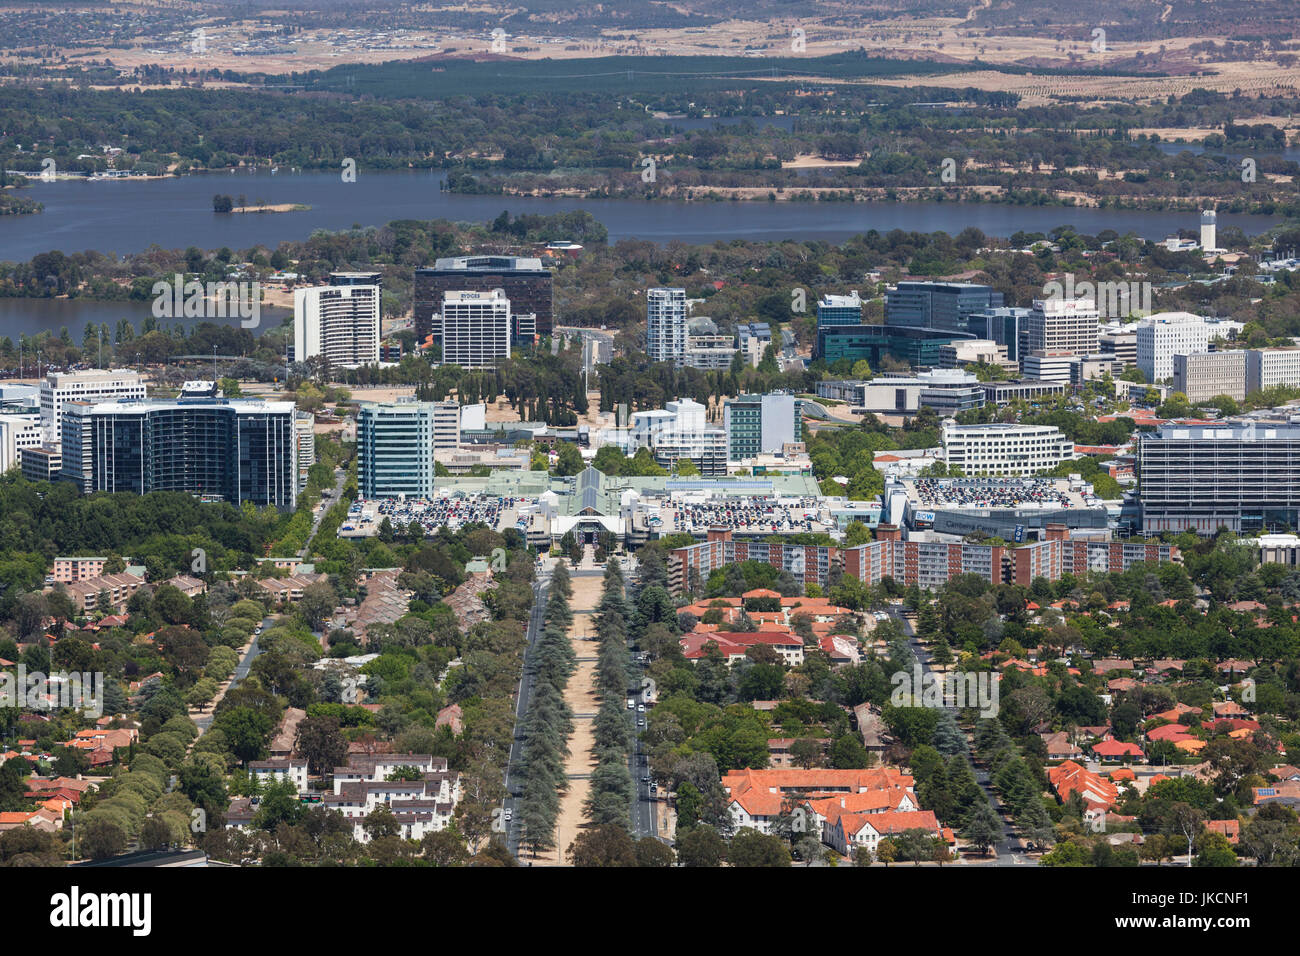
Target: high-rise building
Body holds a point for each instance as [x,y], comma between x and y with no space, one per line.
[473,329]
[1268,368]
[1061,326]
[1203,477]
[666,325]
[839,309]
[1003,325]
[1165,334]
[90,385]
[761,424]
[446,425]
[681,430]
[1004,449]
[220,449]
[304,424]
[524,281]
[1202,376]
[916,346]
[395,442]
[948,306]
[338,322]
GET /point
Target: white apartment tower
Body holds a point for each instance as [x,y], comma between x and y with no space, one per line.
[474,328]
[666,325]
[91,385]
[339,323]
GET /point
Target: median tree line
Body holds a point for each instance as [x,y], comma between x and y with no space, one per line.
[549,721]
[611,795]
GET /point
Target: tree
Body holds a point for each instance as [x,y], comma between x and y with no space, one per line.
[322,743]
[652,853]
[702,846]
[317,604]
[983,828]
[605,845]
[751,848]
[101,839]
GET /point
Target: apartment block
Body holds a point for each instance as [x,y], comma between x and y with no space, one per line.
[337,323]
[666,327]
[90,385]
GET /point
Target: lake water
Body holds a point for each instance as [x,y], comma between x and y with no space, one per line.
[129,216]
[30,316]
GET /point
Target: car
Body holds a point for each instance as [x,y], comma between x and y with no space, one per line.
[640,708]
[654,788]
[508,815]
[645,778]
[629,705]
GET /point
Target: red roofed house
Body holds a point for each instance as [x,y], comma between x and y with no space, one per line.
[1117,750]
[848,831]
[1070,778]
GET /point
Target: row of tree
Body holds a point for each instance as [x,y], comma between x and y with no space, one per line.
[612,787]
[549,721]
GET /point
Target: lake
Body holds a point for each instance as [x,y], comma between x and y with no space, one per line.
[129,216]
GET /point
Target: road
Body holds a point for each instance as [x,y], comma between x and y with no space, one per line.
[241,671]
[1008,847]
[541,587]
[318,515]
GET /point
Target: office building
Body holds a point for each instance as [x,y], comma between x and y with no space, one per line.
[1048,366]
[839,309]
[524,281]
[681,430]
[1268,368]
[1119,342]
[666,325]
[16,433]
[946,306]
[1203,477]
[1004,325]
[473,329]
[1162,336]
[1061,325]
[917,347]
[1026,389]
[947,391]
[761,424]
[218,449]
[395,443]
[1202,376]
[42,462]
[1004,449]
[91,385]
[339,322]
[973,352]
